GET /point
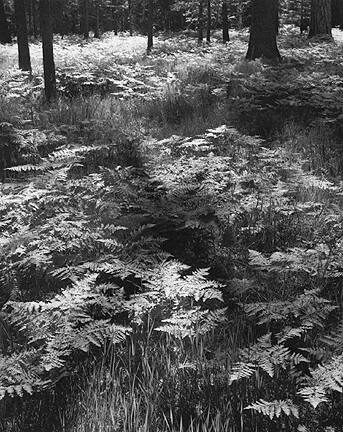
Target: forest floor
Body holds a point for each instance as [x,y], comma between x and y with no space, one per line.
[171,237]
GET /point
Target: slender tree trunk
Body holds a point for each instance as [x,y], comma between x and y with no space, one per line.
[240,16]
[34,18]
[209,16]
[5,36]
[200,22]
[48,50]
[225,22]
[262,43]
[277,18]
[167,16]
[130,17]
[320,23]
[97,22]
[302,12]
[150,25]
[115,22]
[29,14]
[85,19]
[23,43]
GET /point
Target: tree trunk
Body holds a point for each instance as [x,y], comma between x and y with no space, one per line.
[85,19]
[48,50]
[302,18]
[5,36]
[97,22]
[200,22]
[320,23]
[29,15]
[130,17]
[262,42]
[277,18]
[209,16]
[225,22]
[167,26]
[150,25]
[34,18]
[23,43]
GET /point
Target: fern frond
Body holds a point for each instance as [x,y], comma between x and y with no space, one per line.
[275,408]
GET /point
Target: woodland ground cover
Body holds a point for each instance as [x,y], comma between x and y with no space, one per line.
[166,269]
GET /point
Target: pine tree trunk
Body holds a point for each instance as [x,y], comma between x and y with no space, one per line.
[48,50]
[320,23]
[209,16]
[5,36]
[225,22]
[262,42]
[22,36]
[200,22]
[150,25]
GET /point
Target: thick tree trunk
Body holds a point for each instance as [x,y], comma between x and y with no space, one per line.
[5,36]
[150,25]
[320,23]
[225,22]
[22,36]
[262,43]
[48,50]
[209,17]
[200,22]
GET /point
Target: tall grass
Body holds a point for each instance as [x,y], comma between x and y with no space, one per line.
[158,383]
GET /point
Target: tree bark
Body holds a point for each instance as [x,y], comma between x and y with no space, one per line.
[5,36]
[48,50]
[209,16]
[320,23]
[225,22]
[262,42]
[22,36]
[150,25]
[200,22]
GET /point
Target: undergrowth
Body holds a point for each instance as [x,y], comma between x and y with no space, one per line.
[154,281]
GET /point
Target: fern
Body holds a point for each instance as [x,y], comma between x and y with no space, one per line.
[275,408]
[324,379]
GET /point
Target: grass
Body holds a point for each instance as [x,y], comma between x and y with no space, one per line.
[131,390]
